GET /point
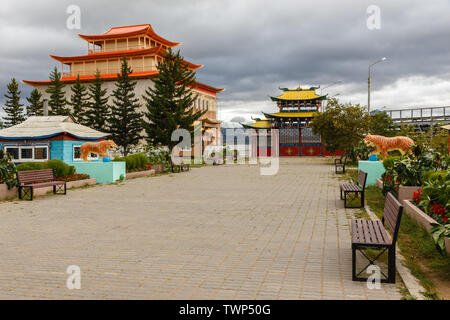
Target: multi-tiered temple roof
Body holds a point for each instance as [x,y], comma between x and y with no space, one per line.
[140,44]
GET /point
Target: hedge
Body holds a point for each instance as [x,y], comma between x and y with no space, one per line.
[134,161]
[60,169]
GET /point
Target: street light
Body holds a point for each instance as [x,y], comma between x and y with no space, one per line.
[368,83]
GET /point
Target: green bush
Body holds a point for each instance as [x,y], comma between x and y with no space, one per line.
[31,166]
[434,175]
[388,163]
[60,169]
[134,161]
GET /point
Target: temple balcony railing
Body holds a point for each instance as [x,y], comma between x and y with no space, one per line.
[119,48]
[106,71]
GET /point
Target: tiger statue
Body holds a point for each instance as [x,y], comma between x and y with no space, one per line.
[385,144]
[100,148]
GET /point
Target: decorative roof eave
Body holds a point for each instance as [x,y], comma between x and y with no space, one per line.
[260,124]
[290,114]
[111,54]
[309,99]
[207,88]
[145,30]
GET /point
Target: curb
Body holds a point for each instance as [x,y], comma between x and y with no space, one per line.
[411,283]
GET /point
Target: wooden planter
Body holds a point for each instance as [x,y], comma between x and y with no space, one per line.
[6,194]
[132,175]
[423,219]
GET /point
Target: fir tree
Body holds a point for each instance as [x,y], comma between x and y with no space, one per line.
[13,108]
[169,103]
[98,112]
[125,120]
[79,101]
[36,105]
[57,101]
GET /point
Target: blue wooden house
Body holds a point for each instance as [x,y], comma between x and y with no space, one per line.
[42,138]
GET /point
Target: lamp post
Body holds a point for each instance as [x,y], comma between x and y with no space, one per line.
[368,83]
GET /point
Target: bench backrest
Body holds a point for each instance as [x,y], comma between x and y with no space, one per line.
[392,215]
[34,175]
[362,177]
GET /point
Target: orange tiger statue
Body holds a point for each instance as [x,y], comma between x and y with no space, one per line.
[385,144]
[99,148]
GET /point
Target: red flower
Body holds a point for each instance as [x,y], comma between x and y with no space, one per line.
[389,179]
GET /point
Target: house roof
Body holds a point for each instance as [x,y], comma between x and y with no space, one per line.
[129,31]
[39,127]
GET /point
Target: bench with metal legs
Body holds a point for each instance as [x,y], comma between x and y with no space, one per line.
[372,234]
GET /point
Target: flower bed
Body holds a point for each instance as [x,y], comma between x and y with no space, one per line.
[137,174]
[139,169]
[423,219]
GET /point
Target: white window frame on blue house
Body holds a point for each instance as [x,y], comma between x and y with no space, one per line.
[33,154]
[79,159]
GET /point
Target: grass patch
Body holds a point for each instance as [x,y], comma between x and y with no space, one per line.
[421,255]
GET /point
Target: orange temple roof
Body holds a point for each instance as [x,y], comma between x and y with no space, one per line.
[128,31]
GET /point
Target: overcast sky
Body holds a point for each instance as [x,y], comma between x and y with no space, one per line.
[251,48]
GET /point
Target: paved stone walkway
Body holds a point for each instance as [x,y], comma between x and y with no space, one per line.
[222,232]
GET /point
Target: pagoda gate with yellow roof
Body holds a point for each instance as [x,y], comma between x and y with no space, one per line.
[143,49]
[296,109]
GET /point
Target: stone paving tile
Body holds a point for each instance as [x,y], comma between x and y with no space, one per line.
[222,232]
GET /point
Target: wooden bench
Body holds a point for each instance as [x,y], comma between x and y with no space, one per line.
[44,178]
[372,234]
[340,163]
[354,188]
[180,167]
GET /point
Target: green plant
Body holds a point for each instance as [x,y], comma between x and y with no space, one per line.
[439,232]
[60,169]
[158,155]
[7,170]
[134,161]
[31,166]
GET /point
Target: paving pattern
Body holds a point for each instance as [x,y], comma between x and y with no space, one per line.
[218,232]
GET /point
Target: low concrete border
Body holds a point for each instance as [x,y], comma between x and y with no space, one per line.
[423,219]
[411,283]
[12,193]
[132,175]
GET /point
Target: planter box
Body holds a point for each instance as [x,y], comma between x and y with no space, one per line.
[6,194]
[406,193]
[104,172]
[13,193]
[158,168]
[380,183]
[423,219]
[132,175]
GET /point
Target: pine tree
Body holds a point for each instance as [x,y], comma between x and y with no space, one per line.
[98,112]
[13,108]
[79,101]
[169,103]
[36,105]
[125,120]
[57,101]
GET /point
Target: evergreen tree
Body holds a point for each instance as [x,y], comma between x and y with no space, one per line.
[13,108]
[36,105]
[98,112]
[57,101]
[169,103]
[125,120]
[79,101]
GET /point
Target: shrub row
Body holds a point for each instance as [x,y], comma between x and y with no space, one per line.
[134,161]
[60,169]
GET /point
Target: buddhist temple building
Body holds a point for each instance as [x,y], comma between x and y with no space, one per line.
[143,49]
[296,108]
